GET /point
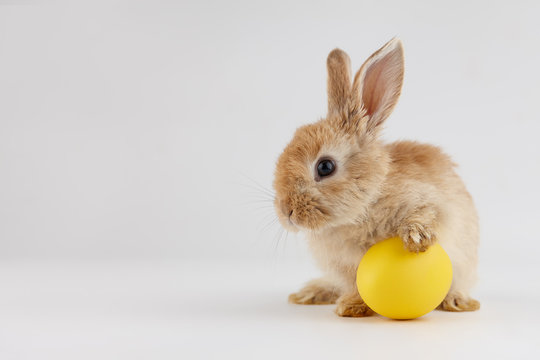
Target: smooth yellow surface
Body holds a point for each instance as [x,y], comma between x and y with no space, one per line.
[399,284]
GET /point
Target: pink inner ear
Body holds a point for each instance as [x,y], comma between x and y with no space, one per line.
[377,83]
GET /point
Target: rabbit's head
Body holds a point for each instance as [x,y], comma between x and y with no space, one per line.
[332,170]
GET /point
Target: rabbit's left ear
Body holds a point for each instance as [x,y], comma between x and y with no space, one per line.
[377,85]
[339,80]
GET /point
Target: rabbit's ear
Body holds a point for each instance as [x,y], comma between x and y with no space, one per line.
[339,80]
[377,84]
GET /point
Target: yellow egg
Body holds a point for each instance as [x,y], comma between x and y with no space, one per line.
[399,284]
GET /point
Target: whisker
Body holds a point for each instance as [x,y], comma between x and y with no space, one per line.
[265,203]
[259,192]
[257,185]
[268,224]
[261,199]
[264,208]
[276,240]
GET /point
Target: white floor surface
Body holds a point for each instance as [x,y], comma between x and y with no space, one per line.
[238,311]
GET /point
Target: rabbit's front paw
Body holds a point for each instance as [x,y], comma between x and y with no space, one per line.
[417,237]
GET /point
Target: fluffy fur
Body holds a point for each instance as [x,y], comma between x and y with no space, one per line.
[377,191]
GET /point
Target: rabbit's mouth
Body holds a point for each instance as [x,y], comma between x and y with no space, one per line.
[286,216]
[290,221]
[300,212]
[303,220]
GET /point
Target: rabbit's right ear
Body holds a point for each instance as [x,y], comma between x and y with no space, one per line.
[377,84]
[339,80]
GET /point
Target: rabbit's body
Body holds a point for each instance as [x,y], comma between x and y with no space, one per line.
[419,177]
[348,190]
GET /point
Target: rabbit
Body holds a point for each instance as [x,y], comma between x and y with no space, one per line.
[346,189]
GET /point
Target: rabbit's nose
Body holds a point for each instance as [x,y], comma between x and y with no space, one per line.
[285,208]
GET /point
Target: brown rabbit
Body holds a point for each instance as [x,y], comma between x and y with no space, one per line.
[346,189]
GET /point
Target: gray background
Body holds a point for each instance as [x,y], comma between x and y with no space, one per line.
[134,138]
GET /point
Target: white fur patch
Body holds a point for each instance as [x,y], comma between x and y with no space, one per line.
[415,237]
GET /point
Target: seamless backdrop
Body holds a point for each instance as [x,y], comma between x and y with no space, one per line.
[137,147]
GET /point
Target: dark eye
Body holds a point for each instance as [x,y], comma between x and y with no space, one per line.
[325,167]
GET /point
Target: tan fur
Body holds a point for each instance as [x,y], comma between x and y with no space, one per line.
[352,305]
[316,292]
[459,303]
[378,190]
[339,80]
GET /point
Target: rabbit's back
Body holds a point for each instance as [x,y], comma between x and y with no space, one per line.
[417,161]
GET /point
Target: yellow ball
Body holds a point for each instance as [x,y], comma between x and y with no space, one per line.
[399,284]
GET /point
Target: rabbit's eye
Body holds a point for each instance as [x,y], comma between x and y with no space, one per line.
[325,167]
